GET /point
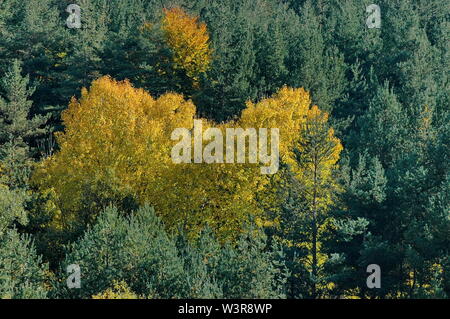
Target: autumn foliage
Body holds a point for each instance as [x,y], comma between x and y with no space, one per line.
[189,40]
[119,136]
[141,148]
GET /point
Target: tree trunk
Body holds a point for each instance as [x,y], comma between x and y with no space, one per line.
[314,234]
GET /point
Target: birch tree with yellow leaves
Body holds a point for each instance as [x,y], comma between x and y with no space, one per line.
[113,145]
[116,148]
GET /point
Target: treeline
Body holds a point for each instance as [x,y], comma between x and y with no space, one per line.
[364,176]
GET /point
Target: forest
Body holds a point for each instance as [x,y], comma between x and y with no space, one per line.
[92,206]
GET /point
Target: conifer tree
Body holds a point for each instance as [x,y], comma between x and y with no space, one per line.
[12,208]
[311,189]
[136,250]
[17,128]
[252,269]
[228,83]
[22,274]
[311,62]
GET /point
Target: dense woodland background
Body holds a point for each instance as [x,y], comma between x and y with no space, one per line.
[364,178]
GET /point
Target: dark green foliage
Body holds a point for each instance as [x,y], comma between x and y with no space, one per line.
[22,274]
[11,208]
[295,227]
[138,250]
[397,195]
[312,62]
[250,270]
[18,131]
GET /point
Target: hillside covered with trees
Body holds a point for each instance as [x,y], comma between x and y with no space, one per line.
[88,185]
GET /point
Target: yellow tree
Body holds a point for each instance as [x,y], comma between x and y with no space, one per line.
[117,144]
[189,40]
[120,290]
[116,140]
[286,110]
[311,150]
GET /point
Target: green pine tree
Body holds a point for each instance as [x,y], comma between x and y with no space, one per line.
[18,130]
[22,274]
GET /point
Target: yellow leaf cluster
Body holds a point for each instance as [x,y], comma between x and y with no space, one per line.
[121,136]
[120,290]
[189,40]
[286,110]
[115,134]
